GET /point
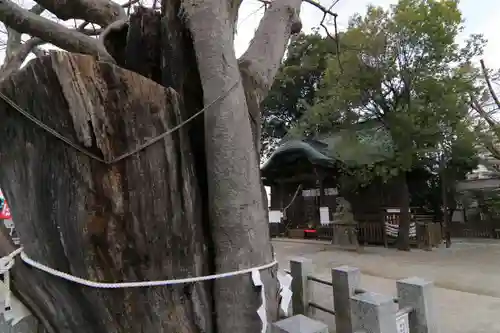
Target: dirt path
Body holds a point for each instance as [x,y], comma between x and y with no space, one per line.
[467,277]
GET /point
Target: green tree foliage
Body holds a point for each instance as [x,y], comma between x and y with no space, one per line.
[401,67]
[404,68]
[295,86]
[427,180]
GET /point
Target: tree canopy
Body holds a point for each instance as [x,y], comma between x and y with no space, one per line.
[402,67]
[295,86]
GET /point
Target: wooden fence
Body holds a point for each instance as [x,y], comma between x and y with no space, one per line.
[428,235]
[474,230]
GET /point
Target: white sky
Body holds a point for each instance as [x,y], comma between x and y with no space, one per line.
[481,16]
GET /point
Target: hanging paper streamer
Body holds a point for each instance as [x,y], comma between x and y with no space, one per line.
[324,215]
[285,281]
[13,309]
[261,311]
[16,311]
[9,224]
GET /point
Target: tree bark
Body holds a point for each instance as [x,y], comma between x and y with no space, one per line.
[239,227]
[445,205]
[102,12]
[24,21]
[403,240]
[135,220]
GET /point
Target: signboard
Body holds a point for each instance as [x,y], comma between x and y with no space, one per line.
[331,191]
[324,215]
[402,323]
[275,216]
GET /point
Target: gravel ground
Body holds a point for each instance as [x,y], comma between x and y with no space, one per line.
[467,277]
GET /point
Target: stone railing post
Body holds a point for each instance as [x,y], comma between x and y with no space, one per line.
[345,280]
[299,324]
[374,313]
[417,293]
[300,269]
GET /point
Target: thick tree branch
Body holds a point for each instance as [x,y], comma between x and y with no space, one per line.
[14,37]
[311,2]
[17,59]
[261,61]
[24,21]
[102,12]
[488,83]
[17,52]
[264,54]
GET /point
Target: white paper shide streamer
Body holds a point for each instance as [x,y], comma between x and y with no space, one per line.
[13,310]
[285,281]
[261,311]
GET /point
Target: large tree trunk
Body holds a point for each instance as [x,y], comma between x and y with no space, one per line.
[403,240]
[161,49]
[239,227]
[185,206]
[134,220]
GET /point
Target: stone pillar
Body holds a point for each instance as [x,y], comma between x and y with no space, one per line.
[345,280]
[374,313]
[299,324]
[300,269]
[418,293]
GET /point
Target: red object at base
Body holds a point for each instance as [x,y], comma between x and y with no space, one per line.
[310,230]
[5,213]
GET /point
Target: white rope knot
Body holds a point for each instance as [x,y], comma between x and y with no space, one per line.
[6,263]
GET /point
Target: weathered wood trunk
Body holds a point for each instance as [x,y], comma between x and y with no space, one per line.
[135,220]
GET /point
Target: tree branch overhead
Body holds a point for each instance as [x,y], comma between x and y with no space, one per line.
[24,21]
[102,12]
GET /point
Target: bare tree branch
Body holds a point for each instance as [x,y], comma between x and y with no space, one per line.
[492,126]
[17,52]
[488,83]
[261,61]
[336,37]
[311,2]
[102,12]
[18,58]
[482,113]
[14,37]
[25,21]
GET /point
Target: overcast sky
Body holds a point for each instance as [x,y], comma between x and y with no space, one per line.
[481,16]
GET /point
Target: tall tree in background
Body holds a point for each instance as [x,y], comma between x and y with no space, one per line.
[188,204]
[295,86]
[402,67]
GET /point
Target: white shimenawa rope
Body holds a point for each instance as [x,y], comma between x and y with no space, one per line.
[7,262]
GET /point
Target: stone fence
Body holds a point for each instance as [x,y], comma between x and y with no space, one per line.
[357,310]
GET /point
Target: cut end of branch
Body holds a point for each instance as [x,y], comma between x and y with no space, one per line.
[296,25]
